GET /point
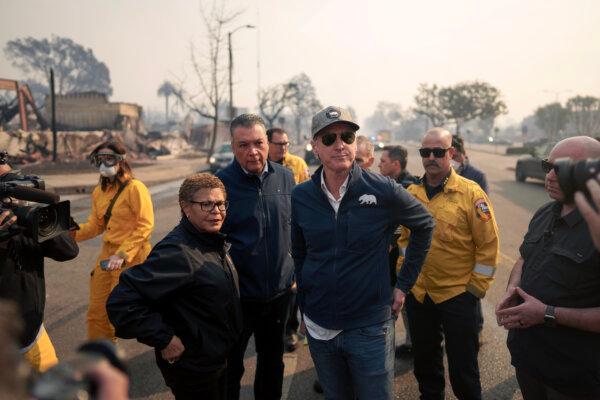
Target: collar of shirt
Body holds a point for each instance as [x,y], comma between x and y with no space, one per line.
[334,203]
[262,174]
[571,219]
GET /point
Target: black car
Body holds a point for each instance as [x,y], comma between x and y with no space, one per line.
[221,158]
[531,166]
[309,156]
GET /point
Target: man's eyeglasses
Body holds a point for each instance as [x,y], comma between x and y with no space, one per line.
[208,206]
[437,152]
[547,166]
[329,138]
[282,144]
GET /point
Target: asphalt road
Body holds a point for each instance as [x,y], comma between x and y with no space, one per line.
[514,204]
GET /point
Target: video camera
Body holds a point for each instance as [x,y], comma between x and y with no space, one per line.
[572,175]
[40,221]
[68,381]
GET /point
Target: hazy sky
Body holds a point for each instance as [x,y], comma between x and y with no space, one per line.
[356,52]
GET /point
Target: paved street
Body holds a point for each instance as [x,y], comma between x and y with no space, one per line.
[514,203]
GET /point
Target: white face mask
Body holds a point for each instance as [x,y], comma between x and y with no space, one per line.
[108,172]
[456,165]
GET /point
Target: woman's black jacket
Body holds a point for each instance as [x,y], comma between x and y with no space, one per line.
[187,287]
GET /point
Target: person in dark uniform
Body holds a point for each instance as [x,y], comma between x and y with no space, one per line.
[552,303]
[392,164]
[462,165]
[184,299]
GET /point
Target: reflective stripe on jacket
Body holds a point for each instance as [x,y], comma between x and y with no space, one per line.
[465,247]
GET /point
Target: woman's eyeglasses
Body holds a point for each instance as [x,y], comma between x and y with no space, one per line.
[108,159]
[329,138]
[438,152]
[208,206]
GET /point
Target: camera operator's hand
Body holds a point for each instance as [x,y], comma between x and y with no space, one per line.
[173,351]
[112,383]
[6,220]
[591,216]
[114,262]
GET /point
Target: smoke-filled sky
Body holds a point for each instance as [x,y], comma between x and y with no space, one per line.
[356,52]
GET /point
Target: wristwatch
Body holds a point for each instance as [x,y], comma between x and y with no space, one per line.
[549,317]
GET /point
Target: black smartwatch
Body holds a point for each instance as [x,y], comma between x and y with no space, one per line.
[549,317]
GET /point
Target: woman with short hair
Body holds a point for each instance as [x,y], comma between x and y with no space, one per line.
[184,300]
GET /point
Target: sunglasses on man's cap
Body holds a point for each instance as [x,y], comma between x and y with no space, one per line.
[347,137]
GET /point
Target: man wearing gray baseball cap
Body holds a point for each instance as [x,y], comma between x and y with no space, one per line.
[342,222]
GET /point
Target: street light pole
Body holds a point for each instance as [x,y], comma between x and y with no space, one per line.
[229,34]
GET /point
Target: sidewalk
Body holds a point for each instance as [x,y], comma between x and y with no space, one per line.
[159,171]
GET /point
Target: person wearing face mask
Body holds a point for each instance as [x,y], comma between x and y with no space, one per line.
[461,164]
[122,211]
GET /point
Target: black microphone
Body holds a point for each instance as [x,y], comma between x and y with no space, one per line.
[29,194]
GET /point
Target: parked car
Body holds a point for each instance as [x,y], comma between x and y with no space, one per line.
[221,158]
[309,155]
[531,166]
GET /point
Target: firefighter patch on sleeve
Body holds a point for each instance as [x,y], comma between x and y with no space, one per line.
[483,210]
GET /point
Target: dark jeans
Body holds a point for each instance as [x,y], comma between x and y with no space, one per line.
[456,321]
[188,385]
[267,322]
[534,389]
[357,363]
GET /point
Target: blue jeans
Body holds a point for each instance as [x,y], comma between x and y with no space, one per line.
[356,363]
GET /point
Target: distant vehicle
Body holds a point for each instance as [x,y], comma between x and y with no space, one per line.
[221,158]
[381,139]
[309,155]
[531,166]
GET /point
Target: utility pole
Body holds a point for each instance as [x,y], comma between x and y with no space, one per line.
[53,101]
[229,34]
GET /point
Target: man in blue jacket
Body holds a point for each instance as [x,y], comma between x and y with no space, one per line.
[342,222]
[258,228]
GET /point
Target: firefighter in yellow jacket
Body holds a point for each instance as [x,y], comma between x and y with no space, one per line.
[127,227]
[278,152]
[456,274]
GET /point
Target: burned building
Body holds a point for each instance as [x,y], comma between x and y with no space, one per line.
[91,111]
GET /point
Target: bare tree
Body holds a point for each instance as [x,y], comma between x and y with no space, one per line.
[273,100]
[428,104]
[304,102]
[584,114]
[210,68]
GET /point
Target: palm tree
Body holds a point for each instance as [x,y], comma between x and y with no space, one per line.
[166,89]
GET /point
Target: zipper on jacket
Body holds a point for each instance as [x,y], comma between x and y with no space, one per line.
[264,220]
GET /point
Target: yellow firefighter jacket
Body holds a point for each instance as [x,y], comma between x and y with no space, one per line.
[130,225]
[298,167]
[464,248]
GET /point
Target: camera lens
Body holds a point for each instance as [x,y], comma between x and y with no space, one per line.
[572,175]
[47,221]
